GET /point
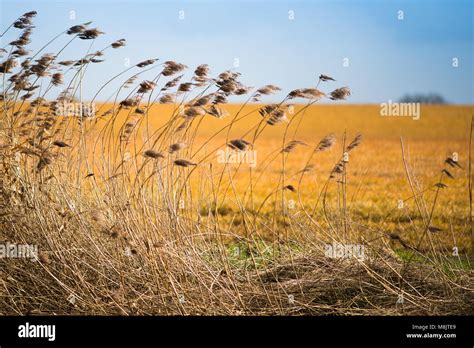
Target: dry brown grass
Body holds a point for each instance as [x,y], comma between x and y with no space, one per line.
[133,213]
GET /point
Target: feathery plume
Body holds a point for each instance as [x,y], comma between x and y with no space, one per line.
[167,98]
[194,111]
[239,144]
[146,86]
[340,93]
[172,68]
[356,142]
[184,163]
[268,89]
[119,43]
[146,63]
[440,185]
[306,93]
[57,79]
[176,147]
[434,229]
[445,171]
[326,78]
[153,154]
[292,144]
[77,29]
[185,87]
[217,112]
[90,34]
[172,83]
[326,143]
[60,143]
[452,162]
[277,116]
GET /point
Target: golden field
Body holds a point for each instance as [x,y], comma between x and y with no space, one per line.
[376,175]
[129,231]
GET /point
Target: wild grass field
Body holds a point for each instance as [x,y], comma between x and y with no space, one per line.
[332,209]
[376,183]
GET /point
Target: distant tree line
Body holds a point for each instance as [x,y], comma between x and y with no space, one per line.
[431,98]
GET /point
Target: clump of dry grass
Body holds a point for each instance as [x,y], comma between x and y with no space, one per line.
[321,286]
[120,228]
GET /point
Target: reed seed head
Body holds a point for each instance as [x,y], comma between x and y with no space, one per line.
[184,163]
[239,144]
[340,93]
[153,154]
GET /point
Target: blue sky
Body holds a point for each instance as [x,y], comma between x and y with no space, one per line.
[387,57]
